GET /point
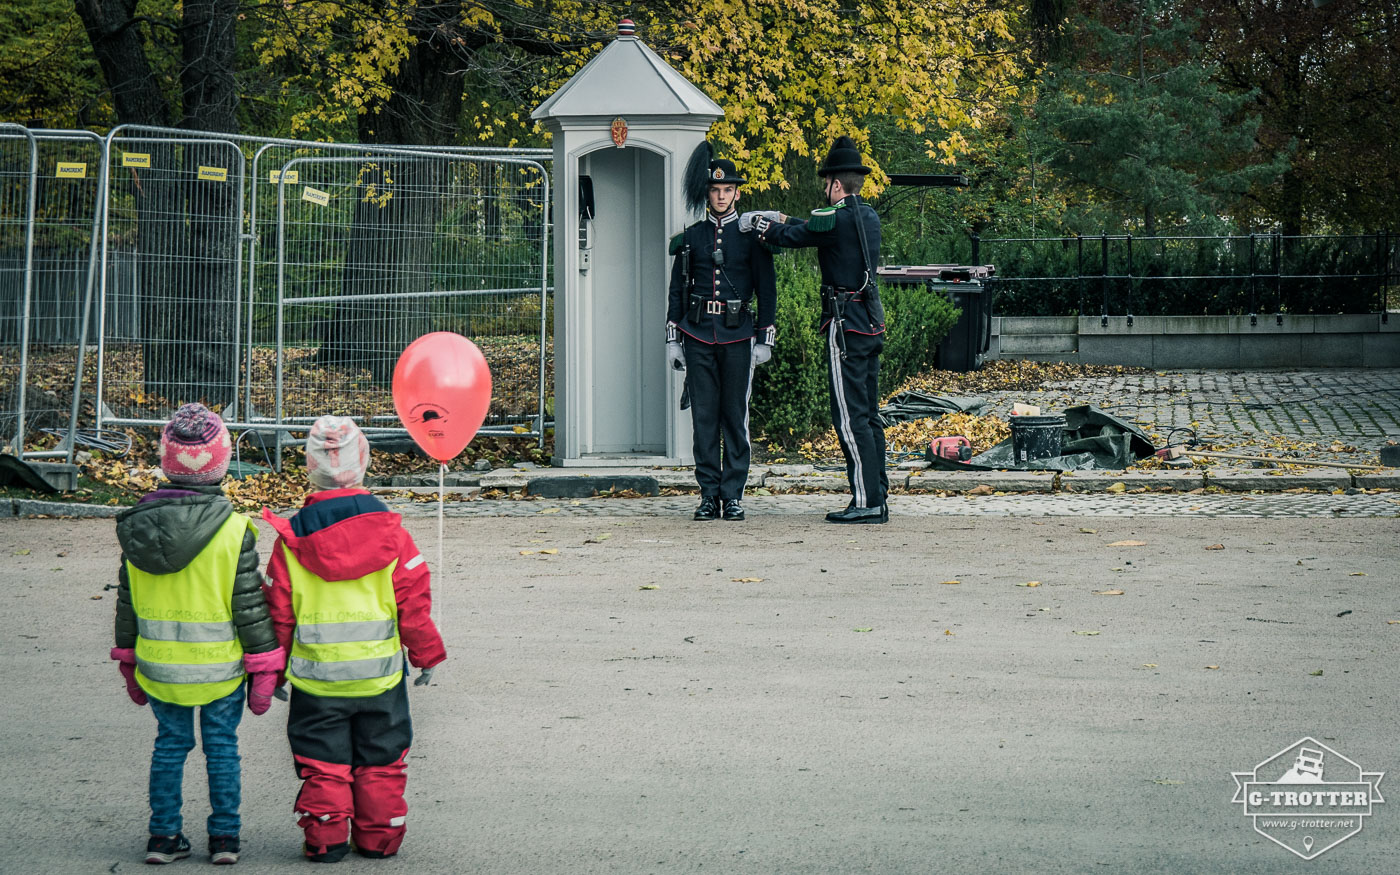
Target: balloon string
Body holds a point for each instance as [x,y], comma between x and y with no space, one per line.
[442,475]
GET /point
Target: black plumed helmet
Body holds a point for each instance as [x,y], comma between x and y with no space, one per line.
[844,157]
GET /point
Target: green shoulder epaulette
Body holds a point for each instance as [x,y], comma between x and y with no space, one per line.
[824,218]
[677,243]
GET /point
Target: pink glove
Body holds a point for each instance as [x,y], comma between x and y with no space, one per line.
[260,691]
[264,669]
[126,662]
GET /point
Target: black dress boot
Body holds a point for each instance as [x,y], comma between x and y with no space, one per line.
[860,515]
[708,509]
[733,509]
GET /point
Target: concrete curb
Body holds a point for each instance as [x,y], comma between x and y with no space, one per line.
[26,507]
[1101,481]
[824,482]
[586,486]
[1000,481]
[1250,481]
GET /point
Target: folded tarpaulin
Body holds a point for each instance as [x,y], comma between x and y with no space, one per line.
[16,472]
[908,406]
[1092,439]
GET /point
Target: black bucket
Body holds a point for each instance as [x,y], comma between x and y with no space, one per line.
[1034,438]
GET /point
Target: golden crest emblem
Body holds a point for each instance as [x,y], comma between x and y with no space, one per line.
[718,173]
[619,132]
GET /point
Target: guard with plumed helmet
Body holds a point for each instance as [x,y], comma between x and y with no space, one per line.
[719,327]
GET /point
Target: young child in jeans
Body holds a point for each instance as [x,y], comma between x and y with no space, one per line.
[191,623]
[348,590]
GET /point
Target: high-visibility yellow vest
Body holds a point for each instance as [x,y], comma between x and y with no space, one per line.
[187,650]
[347,636]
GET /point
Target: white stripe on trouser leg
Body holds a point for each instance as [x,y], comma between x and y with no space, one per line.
[748,394]
[838,384]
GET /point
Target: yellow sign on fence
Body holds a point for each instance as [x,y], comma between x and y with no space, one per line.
[213,174]
[136,159]
[71,170]
[316,196]
[275,176]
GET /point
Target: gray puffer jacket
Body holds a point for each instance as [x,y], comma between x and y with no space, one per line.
[162,535]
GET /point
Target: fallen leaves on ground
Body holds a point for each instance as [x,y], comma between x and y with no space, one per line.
[1216,547]
[1108,592]
[1128,544]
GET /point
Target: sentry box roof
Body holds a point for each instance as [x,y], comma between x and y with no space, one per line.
[627,78]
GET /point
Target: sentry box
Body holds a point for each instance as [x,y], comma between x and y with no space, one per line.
[623,128]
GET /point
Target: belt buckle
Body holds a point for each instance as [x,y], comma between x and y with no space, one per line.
[714,308]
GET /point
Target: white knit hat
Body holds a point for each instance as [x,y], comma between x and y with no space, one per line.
[337,453]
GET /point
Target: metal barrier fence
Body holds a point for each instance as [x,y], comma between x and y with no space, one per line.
[19,169]
[351,252]
[49,185]
[1226,275]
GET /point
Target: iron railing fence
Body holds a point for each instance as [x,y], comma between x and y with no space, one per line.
[1123,275]
[278,280]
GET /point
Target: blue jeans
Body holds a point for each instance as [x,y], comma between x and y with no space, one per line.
[218,727]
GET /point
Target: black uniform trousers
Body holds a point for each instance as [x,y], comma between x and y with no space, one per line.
[854,384]
[720,377]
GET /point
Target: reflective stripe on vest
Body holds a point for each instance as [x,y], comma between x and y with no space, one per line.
[175,630]
[206,673]
[187,649]
[347,634]
[352,670]
[339,633]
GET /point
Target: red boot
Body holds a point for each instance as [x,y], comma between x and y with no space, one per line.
[377,827]
[323,808]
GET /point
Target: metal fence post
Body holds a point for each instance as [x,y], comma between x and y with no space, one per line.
[976,249]
[1380,271]
[27,281]
[1103,318]
[1130,281]
[1079,272]
[1253,282]
[1385,278]
[1278,279]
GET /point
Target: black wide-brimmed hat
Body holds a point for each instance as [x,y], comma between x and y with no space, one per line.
[844,157]
[704,170]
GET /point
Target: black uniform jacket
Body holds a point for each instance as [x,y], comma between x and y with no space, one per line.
[746,275]
[838,253]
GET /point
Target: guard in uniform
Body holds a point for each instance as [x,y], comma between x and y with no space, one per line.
[846,234]
[719,327]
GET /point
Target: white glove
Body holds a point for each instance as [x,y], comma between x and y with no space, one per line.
[746,220]
[675,356]
[762,352]
[423,678]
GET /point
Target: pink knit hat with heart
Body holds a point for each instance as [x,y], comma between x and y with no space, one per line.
[337,453]
[195,446]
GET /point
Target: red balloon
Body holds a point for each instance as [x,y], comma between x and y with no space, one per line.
[442,390]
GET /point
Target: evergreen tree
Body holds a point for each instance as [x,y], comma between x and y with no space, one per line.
[1133,122]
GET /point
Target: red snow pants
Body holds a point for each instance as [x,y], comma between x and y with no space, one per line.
[350,756]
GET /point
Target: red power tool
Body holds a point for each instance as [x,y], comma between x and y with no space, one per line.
[956,448]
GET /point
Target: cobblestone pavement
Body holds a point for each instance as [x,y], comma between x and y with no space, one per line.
[1027,505]
[1357,407]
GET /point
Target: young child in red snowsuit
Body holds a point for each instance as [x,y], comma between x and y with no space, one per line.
[347,591]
